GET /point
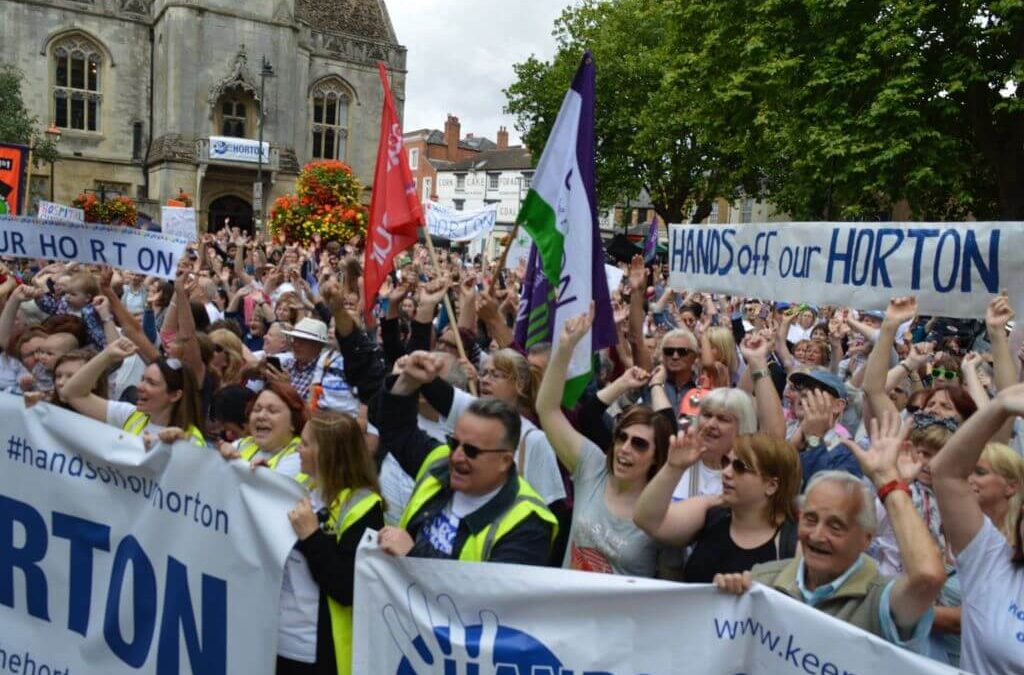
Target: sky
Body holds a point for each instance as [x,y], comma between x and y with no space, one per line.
[461,54]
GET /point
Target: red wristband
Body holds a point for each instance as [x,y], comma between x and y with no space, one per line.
[891,487]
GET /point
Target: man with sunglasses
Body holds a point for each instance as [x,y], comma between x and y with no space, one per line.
[468,502]
[678,354]
[821,400]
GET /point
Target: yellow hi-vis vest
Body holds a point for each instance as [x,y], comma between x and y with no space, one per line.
[346,510]
[247,448]
[478,546]
[137,421]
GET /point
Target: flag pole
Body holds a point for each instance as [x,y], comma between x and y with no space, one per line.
[508,245]
[448,307]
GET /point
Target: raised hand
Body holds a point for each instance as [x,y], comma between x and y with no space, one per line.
[303,519]
[901,310]
[422,367]
[120,349]
[433,291]
[756,349]
[637,275]
[634,377]
[658,376]
[919,353]
[817,418]
[685,449]
[999,313]
[575,328]
[888,438]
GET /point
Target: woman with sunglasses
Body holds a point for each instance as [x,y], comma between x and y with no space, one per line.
[168,395]
[603,537]
[751,522]
[990,566]
[276,418]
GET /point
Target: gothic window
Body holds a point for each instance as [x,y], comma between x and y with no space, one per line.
[330,120]
[232,118]
[77,69]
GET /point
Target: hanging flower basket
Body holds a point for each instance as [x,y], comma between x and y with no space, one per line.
[115,211]
[327,204]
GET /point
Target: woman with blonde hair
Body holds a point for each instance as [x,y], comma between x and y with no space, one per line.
[998,483]
[228,356]
[510,377]
[315,630]
[753,521]
[718,357]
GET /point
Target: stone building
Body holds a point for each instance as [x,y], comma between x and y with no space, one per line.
[157,97]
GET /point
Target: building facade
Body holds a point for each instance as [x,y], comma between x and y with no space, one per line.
[158,97]
[499,177]
[431,150]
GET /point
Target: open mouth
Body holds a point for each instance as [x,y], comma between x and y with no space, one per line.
[817,549]
[623,464]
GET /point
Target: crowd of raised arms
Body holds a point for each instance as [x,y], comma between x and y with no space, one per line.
[866,463]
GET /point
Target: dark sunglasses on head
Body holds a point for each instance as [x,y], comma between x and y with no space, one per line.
[738,466]
[944,374]
[639,444]
[681,352]
[471,451]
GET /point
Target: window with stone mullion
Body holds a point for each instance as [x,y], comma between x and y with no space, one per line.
[330,123]
[76,93]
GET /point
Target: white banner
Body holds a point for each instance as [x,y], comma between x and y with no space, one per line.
[179,221]
[519,620]
[453,225]
[954,269]
[519,250]
[128,248]
[115,561]
[238,149]
[59,212]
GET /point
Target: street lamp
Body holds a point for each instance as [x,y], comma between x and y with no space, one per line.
[52,134]
[266,70]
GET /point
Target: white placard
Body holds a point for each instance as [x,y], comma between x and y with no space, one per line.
[614,276]
[953,269]
[453,225]
[232,149]
[179,221]
[125,562]
[149,253]
[519,250]
[505,619]
[60,213]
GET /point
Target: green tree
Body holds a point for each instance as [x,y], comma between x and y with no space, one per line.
[16,124]
[641,141]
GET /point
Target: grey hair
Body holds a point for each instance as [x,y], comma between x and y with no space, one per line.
[496,409]
[851,485]
[679,333]
[737,403]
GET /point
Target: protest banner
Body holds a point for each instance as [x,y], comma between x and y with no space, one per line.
[179,221]
[114,560]
[952,268]
[60,213]
[13,190]
[419,616]
[129,248]
[447,223]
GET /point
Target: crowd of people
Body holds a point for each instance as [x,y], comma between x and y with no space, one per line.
[866,463]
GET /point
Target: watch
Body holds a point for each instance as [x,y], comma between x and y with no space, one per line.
[758,374]
[812,441]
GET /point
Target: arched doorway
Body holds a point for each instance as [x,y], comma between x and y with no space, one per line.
[231,211]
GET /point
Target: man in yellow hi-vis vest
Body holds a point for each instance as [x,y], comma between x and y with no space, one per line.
[468,502]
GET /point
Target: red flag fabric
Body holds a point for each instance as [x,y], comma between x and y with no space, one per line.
[395,210]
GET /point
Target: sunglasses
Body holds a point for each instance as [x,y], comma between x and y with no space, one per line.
[944,374]
[471,451]
[681,352]
[639,444]
[739,467]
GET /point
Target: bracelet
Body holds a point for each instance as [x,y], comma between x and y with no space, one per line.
[758,374]
[891,487]
[903,364]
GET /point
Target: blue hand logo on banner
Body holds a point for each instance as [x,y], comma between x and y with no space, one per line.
[440,643]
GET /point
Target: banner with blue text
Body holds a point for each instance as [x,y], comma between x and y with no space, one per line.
[952,268]
[434,617]
[116,561]
[128,248]
[455,225]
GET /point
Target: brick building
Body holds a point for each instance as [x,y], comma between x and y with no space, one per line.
[431,150]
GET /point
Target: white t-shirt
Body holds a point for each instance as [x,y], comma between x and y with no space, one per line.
[213,311]
[129,374]
[992,624]
[300,604]
[540,464]
[119,412]
[709,482]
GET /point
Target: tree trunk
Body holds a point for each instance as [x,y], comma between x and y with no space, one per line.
[702,212]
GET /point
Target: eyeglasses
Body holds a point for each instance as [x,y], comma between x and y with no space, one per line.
[495,374]
[471,451]
[681,352]
[639,444]
[739,467]
[944,374]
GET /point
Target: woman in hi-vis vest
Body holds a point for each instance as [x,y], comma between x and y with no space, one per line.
[276,417]
[315,628]
[168,396]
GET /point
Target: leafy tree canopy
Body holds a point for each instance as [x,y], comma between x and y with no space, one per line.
[16,124]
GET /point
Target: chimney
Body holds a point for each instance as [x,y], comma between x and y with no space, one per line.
[469,135]
[451,137]
[502,138]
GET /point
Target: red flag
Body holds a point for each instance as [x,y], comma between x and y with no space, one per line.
[395,210]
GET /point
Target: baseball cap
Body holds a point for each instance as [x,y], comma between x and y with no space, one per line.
[822,377]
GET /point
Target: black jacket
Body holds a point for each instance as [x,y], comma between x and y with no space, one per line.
[528,543]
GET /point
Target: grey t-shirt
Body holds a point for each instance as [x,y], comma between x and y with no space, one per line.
[599,540]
